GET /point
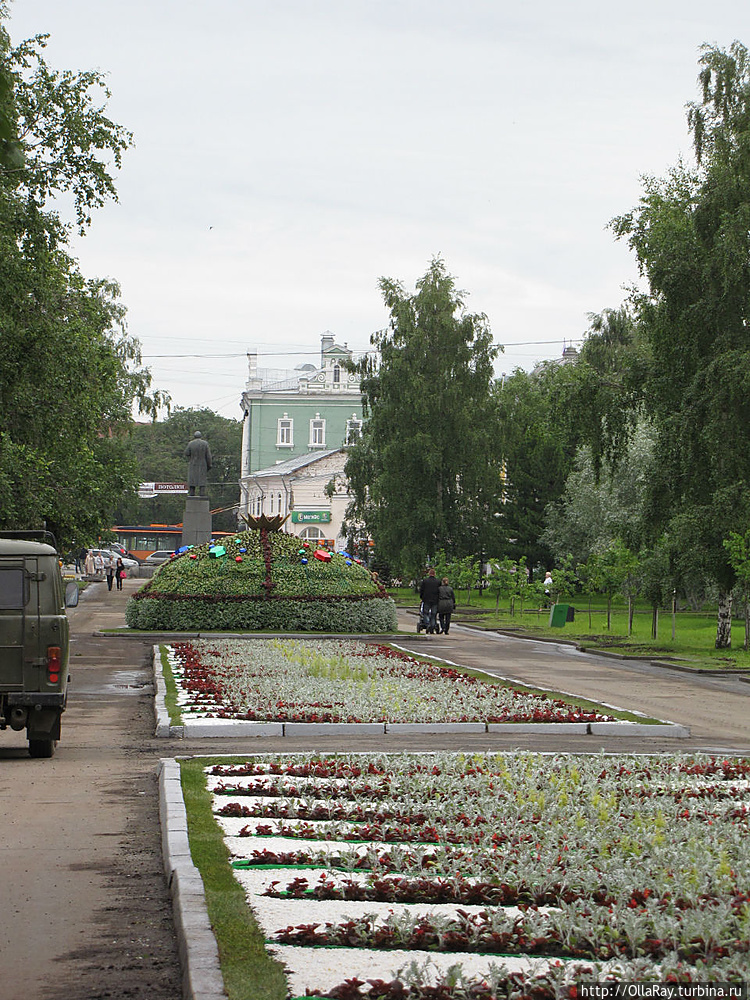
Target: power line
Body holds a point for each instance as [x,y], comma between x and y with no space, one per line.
[284,354]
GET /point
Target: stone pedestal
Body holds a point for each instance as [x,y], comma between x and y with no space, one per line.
[196,523]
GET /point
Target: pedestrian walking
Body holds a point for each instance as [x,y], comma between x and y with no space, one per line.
[446,605]
[110,571]
[98,565]
[428,592]
[548,584]
[120,573]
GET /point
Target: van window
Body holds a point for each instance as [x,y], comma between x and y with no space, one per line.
[13,592]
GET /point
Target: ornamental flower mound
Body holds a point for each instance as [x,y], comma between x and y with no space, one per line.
[458,876]
[261,580]
[344,680]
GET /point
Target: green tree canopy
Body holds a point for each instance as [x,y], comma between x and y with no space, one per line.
[426,474]
[691,236]
[594,510]
[159,448]
[69,373]
[536,441]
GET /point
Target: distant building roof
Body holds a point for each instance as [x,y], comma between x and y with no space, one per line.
[293,465]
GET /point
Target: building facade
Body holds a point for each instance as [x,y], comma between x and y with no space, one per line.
[311,489]
[307,414]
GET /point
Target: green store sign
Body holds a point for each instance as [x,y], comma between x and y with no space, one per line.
[311,516]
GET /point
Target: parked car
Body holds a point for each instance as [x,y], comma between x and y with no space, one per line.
[158,557]
[34,637]
[108,554]
[123,552]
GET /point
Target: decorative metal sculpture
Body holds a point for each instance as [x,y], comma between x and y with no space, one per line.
[264,522]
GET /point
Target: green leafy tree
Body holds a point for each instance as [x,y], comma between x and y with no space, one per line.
[738,547]
[69,373]
[537,449]
[609,570]
[526,588]
[596,508]
[501,580]
[691,236]
[465,573]
[159,447]
[425,474]
[654,579]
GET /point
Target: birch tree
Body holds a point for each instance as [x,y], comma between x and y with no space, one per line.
[691,236]
[426,474]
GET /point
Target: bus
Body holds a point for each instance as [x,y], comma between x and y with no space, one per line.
[141,540]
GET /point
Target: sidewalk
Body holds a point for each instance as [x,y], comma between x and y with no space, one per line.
[716,708]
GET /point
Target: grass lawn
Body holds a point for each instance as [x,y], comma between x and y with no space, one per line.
[692,645]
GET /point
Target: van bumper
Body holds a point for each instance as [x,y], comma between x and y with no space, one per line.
[34,698]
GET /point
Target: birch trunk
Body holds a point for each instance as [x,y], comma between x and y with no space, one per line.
[724,621]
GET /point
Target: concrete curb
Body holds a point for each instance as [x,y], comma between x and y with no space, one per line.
[199,954]
[163,727]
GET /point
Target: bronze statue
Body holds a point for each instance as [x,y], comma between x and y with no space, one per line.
[198,455]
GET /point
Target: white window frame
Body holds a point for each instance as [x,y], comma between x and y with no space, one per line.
[317,432]
[353,430]
[312,533]
[285,432]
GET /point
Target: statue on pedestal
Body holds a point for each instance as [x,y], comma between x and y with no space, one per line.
[198,455]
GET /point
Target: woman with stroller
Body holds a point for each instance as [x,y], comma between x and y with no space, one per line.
[446,605]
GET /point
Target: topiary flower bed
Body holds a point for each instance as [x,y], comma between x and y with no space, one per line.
[260,580]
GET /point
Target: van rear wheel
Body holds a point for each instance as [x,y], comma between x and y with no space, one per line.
[42,748]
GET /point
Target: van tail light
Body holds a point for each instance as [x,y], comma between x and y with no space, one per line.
[54,664]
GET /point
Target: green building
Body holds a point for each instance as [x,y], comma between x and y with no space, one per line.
[309,411]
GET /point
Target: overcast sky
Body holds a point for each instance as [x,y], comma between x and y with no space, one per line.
[289,153]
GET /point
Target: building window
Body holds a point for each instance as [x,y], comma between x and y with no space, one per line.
[311,534]
[273,497]
[284,429]
[353,430]
[336,374]
[317,432]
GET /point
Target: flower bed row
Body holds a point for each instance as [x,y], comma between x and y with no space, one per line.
[521,873]
[285,680]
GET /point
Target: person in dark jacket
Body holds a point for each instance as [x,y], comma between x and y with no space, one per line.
[428,592]
[446,605]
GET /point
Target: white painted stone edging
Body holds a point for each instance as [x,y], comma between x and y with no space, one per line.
[199,954]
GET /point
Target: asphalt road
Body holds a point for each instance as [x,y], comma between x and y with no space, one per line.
[86,913]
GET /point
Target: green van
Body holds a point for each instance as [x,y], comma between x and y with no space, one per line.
[33,638]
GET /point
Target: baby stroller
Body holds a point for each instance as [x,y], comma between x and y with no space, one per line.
[423,620]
